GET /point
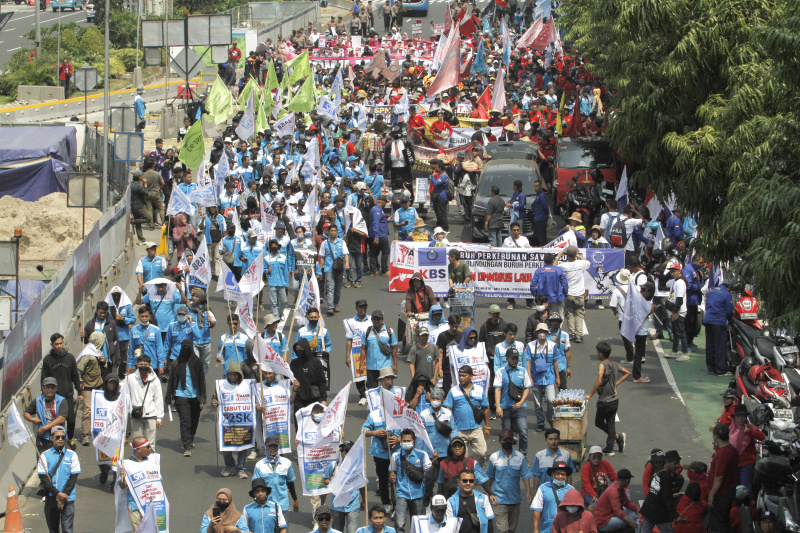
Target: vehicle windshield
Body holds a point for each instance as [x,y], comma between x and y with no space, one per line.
[505,182]
[576,156]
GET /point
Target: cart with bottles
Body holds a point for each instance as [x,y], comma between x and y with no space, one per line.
[570,418]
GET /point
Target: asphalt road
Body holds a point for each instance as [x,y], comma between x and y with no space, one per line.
[12,35]
[650,414]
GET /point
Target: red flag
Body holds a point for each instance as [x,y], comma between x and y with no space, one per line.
[529,36]
[448,75]
[545,37]
[484,103]
[448,21]
[576,119]
[467,28]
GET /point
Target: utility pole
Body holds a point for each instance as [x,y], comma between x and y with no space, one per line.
[106,119]
[38,30]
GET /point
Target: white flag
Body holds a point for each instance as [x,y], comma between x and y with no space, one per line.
[250,282]
[247,124]
[359,224]
[636,311]
[311,207]
[183,264]
[201,264]
[333,416]
[246,322]
[622,189]
[499,96]
[398,415]
[205,196]
[278,103]
[110,439]
[284,126]
[223,168]
[309,297]
[312,152]
[148,523]
[272,361]
[227,282]
[180,203]
[17,430]
[349,475]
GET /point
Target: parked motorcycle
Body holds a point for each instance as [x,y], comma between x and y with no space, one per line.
[765,384]
[577,200]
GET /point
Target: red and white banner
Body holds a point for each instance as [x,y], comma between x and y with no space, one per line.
[333,416]
[398,415]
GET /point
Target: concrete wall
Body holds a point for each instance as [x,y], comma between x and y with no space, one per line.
[285,24]
[39,93]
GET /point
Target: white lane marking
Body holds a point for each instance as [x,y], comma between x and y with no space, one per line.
[17,48]
[616,418]
[667,370]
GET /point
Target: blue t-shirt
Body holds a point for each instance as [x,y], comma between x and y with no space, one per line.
[462,412]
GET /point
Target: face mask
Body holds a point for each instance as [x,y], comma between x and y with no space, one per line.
[144,371]
[407,446]
[182,319]
[317,417]
[274,250]
[223,505]
[542,336]
[506,445]
[572,509]
[273,457]
[436,404]
[559,483]
[540,308]
[313,323]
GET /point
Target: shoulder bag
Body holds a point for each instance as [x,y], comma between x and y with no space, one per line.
[42,489]
[414,473]
[383,347]
[477,414]
[514,390]
[338,262]
[138,410]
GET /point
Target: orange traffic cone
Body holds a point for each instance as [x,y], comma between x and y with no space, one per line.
[13,522]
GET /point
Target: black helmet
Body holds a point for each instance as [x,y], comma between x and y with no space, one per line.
[746,364]
[554,316]
[667,244]
[762,415]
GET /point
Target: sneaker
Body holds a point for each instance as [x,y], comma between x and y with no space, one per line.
[643,359]
[348,284]
[693,345]
[579,339]
[691,349]
[85,441]
[252,455]
[362,401]
[336,309]
[673,355]
[683,357]
[242,474]
[187,452]
[724,374]
[173,409]
[510,307]
[330,312]
[72,444]
[621,442]
[357,285]
[625,362]
[609,453]
[529,306]
[191,445]
[600,306]
[103,477]
[227,471]
[643,379]
[492,417]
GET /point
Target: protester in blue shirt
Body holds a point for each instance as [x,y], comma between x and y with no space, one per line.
[231,244]
[383,442]
[376,340]
[223,515]
[552,453]
[439,195]
[186,392]
[441,433]
[374,181]
[263,516]
[693,272]
[540,358]
[517,203]
[319,340]
[409,467]
[405,217]
[275,339]
[563,351]
[232,345]
[203,319]
[334,253]
[276,266]
[163,306]
[467,400]
[121,311]
[549,280]
[465,495]
[344,518]
[148,337]
[150,267]
[46,412]
[511,402]
[719,310]
[58,470]
[541,214]
[176,332]
[379,236]
[548,496]
[506,468]
[249,250]
[377,520]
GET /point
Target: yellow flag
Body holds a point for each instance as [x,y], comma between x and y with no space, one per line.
[305,99]
[301,66]
[193,149]
[219,102]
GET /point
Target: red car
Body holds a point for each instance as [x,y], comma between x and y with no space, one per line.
[579,156]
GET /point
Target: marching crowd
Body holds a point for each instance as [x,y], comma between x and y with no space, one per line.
[276,221]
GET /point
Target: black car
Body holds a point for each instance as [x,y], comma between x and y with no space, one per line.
[503,173]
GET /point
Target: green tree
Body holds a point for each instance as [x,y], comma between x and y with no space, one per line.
[92,41]
[707,108]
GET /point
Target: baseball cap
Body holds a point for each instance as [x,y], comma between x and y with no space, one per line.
[438,502]
[272,440]
[181,310]
[506,434]
[323,510]
[149,244]
[361,303]
[512,352]
[423,331]
[595,449]
[624,473]
[729,393]
[377,313]
[49,381]
[673,455]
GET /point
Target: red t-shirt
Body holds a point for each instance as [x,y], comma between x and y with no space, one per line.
[725,463]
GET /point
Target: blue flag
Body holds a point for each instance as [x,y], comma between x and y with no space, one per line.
[542,9]
[487,28]
[506,45]
[479,65]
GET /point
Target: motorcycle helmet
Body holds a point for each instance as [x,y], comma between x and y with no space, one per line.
[746,364]
[597,176]
[667,245]
[762,415]
[554,316]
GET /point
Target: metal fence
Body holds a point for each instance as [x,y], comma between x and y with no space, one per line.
[92,160]
[259,14]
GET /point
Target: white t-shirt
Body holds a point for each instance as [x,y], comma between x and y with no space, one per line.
[618,301]
[630,224]
[677,289]
[574,271]
[521,242]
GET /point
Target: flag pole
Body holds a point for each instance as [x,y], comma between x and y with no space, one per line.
[36,448]
[364,466]
[260,376]
[294,314]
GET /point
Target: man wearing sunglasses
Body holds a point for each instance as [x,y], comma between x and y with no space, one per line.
[473,508]
[58,472]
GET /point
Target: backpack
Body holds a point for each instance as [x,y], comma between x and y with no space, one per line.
[450,189]
[618,236]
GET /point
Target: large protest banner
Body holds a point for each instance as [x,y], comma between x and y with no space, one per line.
[496,272]
[278,411]
[236,416]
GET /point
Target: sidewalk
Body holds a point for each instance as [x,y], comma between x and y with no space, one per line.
[700,390]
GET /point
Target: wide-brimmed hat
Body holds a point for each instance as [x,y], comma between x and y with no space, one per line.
[386,372]
[559,465]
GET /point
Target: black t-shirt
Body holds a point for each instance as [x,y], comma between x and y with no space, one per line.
[468,512]
[495,207]
[442,341]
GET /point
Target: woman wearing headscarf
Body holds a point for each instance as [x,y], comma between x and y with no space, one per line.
[222,517]
[186,391]
[90,369]
[183,234]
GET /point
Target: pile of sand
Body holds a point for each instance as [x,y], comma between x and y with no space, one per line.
[50,229]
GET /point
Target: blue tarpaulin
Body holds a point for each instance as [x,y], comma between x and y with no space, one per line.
[34,161]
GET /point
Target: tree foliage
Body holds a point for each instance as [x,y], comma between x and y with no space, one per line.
[708,107]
